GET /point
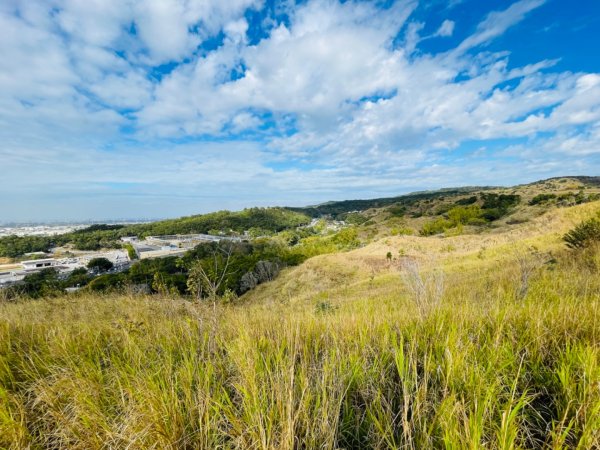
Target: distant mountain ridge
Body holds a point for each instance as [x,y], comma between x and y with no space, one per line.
[335,208]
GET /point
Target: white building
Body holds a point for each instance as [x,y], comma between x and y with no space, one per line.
[39,263]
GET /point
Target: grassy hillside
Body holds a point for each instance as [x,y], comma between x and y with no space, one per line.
[487,340]
[339,209]
[475,212]
[430,212]
[367,271]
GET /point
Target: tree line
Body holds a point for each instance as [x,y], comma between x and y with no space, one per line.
[260,220]
[216,270]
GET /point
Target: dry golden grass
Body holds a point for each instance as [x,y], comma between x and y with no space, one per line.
[383,223]
[356,273]
[341,352]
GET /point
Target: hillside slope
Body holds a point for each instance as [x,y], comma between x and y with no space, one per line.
[343,351]
[339,209]
[367,272]
[487,339]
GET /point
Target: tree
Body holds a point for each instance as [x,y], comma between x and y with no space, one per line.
[44,283]
[13,246]
[100,264]
[79,277]
[207,276]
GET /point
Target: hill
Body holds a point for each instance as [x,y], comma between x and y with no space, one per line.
[484,335]
[368,271]
[264,221]
[337,209]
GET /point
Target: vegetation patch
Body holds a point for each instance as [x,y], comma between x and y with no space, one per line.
[542,198]
[96,237]
[584,235]
[445,363]
[212,271]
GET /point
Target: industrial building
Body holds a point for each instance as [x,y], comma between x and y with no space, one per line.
[39,263]
[175,244]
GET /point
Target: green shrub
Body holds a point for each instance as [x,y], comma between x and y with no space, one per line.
[347,238]
[107,282]
[496,206]
[397,210]
[436,227]
[493,214]
[464,214]
[401,231]
[466,201]
[79,277]
[584,234]
[477,221]
[442,209]
[500,201]
[42,284]
[355,218]
[457,217]
[542,198]
[131,252]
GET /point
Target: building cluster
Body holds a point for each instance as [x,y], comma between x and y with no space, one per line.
[13,273]
[38,230]
[150,247]
[172,245]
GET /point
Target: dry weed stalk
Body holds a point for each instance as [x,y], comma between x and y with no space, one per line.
[426,288]
[527,264]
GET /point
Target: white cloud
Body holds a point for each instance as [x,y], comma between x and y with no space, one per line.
[412,37]
[446,28]
[163,29]
[332,54]
[95,22]
[245,121]
[496,23]
[330,93]
[131,90]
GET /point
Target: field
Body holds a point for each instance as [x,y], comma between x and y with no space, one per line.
[474,341]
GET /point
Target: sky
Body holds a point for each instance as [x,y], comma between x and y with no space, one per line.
[161,108]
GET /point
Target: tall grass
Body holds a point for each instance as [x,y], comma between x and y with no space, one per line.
[484,368]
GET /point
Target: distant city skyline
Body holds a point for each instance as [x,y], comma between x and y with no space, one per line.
[154,109]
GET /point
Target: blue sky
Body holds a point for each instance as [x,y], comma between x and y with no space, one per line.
[148,108]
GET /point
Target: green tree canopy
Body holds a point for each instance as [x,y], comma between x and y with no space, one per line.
[100,264]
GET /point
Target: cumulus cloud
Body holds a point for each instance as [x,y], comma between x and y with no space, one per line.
[334,95]
[131,90]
